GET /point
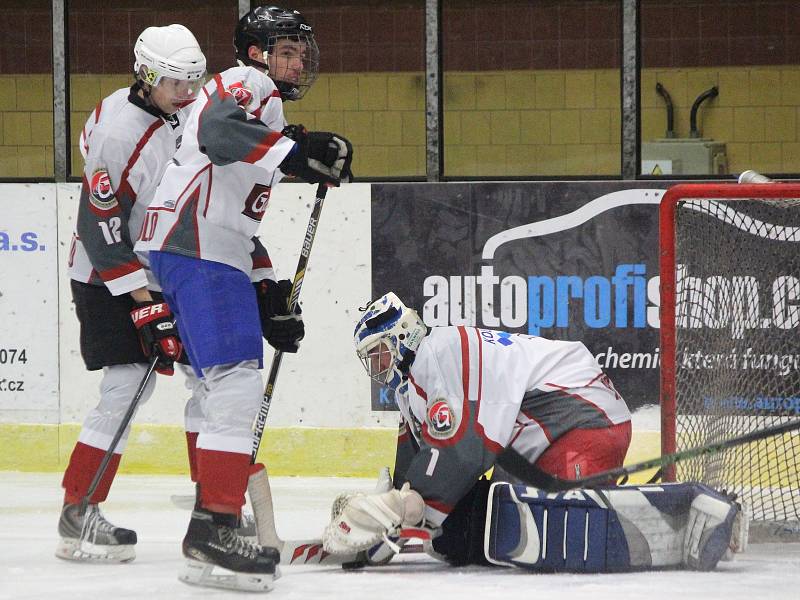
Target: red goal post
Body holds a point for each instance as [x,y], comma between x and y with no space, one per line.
[729,358]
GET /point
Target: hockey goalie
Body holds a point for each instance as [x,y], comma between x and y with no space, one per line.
[469,399]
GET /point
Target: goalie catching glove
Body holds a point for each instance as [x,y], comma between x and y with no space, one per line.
[158,334]
[359,521]
[318,157]
[282,330]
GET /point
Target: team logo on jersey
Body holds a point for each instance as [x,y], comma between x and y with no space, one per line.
[441,419]
[256,202]
[241,94]
[101,194]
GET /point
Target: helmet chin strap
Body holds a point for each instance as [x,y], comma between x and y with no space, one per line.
[284,87]
[148,100]
[145,91]
[252,62]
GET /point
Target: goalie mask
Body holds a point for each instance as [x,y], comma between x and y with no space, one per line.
[387,338]
[170,57]
[286,40]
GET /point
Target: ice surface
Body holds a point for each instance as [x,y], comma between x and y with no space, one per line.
[30,503]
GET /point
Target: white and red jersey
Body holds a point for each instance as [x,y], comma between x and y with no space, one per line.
[471,393]
[213,195]
[126,145]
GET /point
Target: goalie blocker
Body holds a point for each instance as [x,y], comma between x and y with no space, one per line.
[608,529]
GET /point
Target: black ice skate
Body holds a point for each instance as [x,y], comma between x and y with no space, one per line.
[91,538]
[246,527]
[218,557]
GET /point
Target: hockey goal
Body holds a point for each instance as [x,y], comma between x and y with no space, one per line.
[730,341]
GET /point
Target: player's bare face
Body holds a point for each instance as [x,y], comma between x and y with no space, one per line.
[171,94]
[380,361]
[286,60]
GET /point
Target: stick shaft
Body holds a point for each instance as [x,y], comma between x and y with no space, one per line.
[151,367]
[514,463]
[294,296]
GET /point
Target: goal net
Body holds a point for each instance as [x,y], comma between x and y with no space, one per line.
[730,341]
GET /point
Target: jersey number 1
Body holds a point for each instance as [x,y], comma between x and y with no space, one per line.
[433,461]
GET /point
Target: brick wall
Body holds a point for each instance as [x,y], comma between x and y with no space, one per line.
[529,88]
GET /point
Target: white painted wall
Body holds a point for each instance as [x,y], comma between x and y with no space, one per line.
[322,386]
[28,303]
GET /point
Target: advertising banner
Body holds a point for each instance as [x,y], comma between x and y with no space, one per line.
[562,260]
[28,300]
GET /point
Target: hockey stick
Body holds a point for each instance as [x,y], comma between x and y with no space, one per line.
[308,551]
[101,469]
[305,551]
[517,465]
[294,295]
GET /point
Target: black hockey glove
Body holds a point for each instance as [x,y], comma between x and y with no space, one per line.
[319,157]
[282,330]
[158,334]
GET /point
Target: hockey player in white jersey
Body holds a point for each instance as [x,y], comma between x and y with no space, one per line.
[470,399]
[198,237]
[126,142]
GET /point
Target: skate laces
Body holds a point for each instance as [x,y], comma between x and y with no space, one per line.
[94,524]
[235,543]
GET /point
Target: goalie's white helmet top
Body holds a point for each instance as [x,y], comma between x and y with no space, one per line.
[169,51]
[387,338]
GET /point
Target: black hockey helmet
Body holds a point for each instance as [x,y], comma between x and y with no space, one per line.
[263,27]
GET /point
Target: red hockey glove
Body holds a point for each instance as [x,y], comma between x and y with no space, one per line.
[158,334]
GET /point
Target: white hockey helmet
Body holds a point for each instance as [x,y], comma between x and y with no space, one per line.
[170,51]
[387,338]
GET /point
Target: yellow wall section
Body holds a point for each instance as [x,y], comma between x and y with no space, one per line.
[26,126]
[161,449]
[300,451]
[535,123]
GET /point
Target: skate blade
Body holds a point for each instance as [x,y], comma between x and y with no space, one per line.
[74,549]
[195,572]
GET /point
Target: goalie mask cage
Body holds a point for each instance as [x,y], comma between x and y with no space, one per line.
[730,342]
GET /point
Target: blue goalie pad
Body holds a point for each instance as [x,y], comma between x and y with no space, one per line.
[567,531]
[609,529]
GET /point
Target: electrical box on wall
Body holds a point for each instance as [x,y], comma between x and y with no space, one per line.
[693,156]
